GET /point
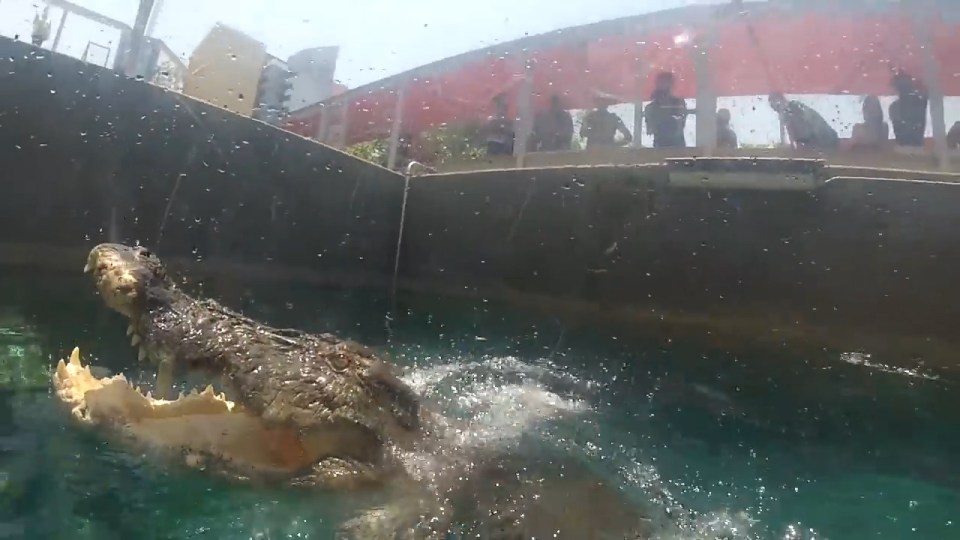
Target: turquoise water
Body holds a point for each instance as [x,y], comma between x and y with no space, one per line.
[814,444]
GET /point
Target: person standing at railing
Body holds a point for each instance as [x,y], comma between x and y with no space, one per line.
[41,27]
[873,132]
[726,136]
[908,113]
[499,131]
[552,128]
[953,137]
[666,115]
[600,126]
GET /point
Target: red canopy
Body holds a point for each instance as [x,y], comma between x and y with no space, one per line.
[846,51]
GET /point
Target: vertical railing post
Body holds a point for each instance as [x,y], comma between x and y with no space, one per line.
[137,38]
[923,26]
[525,110]
[396,127]
[323,127]
[706,94]
[344,118]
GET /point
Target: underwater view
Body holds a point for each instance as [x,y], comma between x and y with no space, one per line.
[686,215]
[753,443]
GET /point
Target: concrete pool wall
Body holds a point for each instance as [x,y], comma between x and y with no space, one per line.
[90,156]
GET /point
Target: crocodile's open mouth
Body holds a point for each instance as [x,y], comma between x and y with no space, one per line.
[204,427]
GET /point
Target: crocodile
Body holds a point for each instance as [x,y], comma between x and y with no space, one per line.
[316,410]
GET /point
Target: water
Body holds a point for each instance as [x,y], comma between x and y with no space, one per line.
[826,445]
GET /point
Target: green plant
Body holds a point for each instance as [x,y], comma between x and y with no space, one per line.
[376,151]
[458,143]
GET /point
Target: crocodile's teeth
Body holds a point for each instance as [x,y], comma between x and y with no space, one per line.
[75,356]
[135,340]
[130,330]
[141,354]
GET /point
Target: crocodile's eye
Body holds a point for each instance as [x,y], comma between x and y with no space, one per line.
[338,361]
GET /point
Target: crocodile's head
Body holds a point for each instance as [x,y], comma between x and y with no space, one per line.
[314,398]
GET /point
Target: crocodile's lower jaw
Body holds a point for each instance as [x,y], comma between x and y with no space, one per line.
[199,426]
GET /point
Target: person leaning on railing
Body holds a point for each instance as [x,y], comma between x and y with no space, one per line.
[808,130]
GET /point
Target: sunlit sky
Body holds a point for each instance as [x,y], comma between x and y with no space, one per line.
[378,38]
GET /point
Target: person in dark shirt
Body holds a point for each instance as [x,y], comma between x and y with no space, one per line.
[908,113]
[666,115]
[807,129]
[553,128]
[499,131]
[600,126]
[726,137]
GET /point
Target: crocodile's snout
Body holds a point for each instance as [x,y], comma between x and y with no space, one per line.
[125,275]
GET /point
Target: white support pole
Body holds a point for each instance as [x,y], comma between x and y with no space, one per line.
[154,17]
[56,37]
[639,77]
[323,130]
[525,110]
[396,127]
[923,29]
[706,95]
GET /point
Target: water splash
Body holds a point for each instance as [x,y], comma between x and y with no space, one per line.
[504,398]
[863,359]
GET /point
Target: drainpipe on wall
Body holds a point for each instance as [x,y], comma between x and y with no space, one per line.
[524,108]
[639,77]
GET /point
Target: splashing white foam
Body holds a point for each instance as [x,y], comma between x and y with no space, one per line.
[501,397]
